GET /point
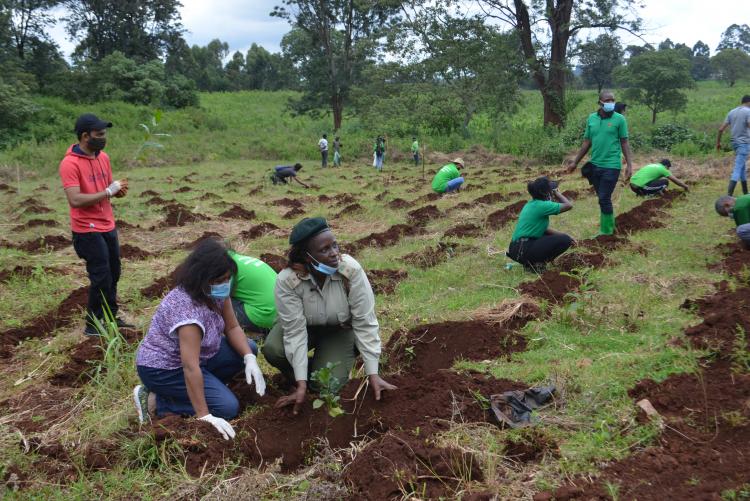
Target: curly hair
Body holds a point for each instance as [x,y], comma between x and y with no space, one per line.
[209,261]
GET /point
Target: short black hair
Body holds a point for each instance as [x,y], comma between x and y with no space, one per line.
[620,107]
[541,188]
[209,260]
[665,162]
[297,166]
[746,98]
[325,136]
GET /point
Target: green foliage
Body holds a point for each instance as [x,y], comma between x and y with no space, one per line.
[150,135]
[17,112]
[667,135]
[731,65]
[735,37]
[329,386]
[599,58]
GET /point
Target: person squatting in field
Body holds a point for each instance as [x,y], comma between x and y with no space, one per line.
[739,209]
[606,135]
[533,243]
[325,304]
[252,295]
[281,174]
[448,179]
[195,345]
[86,176]
[738,120]
[653,179]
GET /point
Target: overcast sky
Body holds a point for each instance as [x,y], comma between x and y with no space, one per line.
[241,23]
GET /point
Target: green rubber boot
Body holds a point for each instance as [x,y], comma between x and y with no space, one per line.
[606,224]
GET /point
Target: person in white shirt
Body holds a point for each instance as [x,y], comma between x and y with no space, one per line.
[323,145]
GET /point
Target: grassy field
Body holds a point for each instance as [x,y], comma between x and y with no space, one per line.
[623,324]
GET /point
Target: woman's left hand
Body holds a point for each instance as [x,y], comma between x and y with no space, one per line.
[379,384]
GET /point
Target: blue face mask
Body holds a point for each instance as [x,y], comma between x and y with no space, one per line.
[608,107]
[221,291]
[323,268]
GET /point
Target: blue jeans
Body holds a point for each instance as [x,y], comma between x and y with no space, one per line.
[743,232]
[379,161]
[741,152]
[454,184]
[171,390]
[605,182]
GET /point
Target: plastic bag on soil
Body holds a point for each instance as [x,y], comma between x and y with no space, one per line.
[513,408]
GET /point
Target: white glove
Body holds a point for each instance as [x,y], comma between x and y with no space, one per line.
[220,424]
[253,373]
[113,188]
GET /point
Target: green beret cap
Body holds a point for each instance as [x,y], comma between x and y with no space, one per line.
[307,228]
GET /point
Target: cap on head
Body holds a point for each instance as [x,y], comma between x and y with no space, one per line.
[541,188]
[459,161]
[665,162]
[746,98]
[88,122]
[722,203]
[308,228]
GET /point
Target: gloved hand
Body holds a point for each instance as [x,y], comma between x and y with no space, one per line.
[220,424]
[113,188]
[253,373]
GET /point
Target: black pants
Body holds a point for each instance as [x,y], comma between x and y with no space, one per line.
[530,251]
[605,182]
[276,179]
[101,251]
[652,188]
[324,158]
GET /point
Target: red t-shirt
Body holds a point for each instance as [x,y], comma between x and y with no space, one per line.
[91,175]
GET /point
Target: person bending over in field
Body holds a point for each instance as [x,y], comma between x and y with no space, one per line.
[282,173]
[195,345]
[325,304]
[533,243]
[448,179]
[739,209]
[252,295]
[653,179]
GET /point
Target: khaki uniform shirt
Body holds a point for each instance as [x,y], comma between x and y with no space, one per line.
[299,303]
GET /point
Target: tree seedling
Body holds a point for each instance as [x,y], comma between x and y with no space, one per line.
[329,386]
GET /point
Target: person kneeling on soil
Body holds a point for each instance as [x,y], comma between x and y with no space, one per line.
[533,243]
[184,361]
[252,295]
[324,303]
[653,179]
[739,209]
[281,173]
[448,178]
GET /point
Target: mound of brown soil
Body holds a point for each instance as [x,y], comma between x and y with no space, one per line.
[128,251]
[287,202]
[238,212]
[46,243]
[551,286]
[159,287]
[647,215]
[293,213]
[206,234]
[124,225]
[430,197]
[35,208]
[571,194]
[25,271]
[463,231]
[275,261]
[501,217]
[399,203]
[344,199]
[258,230]
[385,281]
[491,198]
[35,223]
[433,256]
[388,237]
[424,215]
[604,243]
[149,193]
[179,215]
[349,210]
[574,260]
[737,260]
[184,189]
[209,196]
[157,200]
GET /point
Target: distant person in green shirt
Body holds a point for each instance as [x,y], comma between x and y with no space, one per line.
[379,153]
[739,209]
[252,295]
[653,179]
[606,135]
[448,178]
[533,243]
[415,151]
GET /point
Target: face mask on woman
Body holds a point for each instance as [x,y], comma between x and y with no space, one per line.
[323,268]
[221,291]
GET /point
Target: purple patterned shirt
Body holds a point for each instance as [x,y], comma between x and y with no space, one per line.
[160,348]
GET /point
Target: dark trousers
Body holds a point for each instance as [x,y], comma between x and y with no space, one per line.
[324,158]
[416,159]
[171,390]
[605,182]
[530,251]
[652,188]
[101,251]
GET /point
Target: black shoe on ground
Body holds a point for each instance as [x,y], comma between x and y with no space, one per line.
[123,324]
[90,330]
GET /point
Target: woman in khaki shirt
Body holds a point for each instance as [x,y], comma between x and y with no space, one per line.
[324,303]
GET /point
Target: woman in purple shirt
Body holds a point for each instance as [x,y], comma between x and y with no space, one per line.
[195,345]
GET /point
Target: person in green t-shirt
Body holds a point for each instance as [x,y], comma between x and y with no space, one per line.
[606,135]
[448,178]
[739,209]
[252,294]
[415,150]
[533,243]
[653,179]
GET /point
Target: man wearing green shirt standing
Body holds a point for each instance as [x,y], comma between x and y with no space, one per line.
[606,135]
[653,179]
[415,151]
[448,178]
[739,209]
[252,295]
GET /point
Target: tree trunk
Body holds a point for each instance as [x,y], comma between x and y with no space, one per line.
[337,106]
[653,116]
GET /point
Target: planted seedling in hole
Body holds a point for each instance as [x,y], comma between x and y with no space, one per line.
[329,386]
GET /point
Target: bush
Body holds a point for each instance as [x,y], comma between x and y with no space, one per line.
[668,135]
[17,111]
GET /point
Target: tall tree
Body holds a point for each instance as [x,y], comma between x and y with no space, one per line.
[546,29]
[731,65]
[139,29]
[27,20]
[735,36]
[636,50]
[599,58]
[342,35]
[701,69]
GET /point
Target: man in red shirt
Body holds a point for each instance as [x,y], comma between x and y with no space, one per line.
[86,176]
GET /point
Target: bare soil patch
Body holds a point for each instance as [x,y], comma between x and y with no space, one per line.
[424,215]
[551,286]
[287,202]
[206,234]
[45,243]
[293,213]
[349,210]
[400,203]
[238,212]
[179,215]
[258,230]
[463,231]
[128,251]
[275,261]
[385,281]
[501,217]
[183,189]
[433,256]
[35,223]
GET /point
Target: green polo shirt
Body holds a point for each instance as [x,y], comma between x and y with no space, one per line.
[253,286]
[534,219]
[445,174]
[741,210]
[648,173]
[605,135]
